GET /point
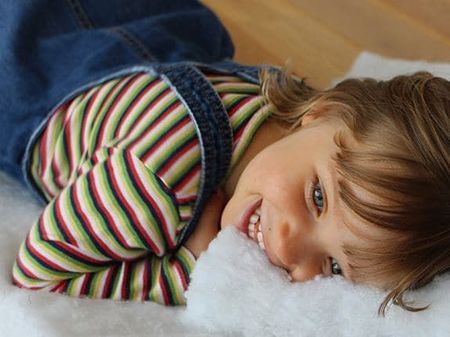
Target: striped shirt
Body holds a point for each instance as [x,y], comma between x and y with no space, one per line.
[120,168]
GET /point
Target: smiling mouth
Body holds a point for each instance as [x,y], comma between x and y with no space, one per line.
[254,228]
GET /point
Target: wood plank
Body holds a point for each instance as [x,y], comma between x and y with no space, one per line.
[433,14]
[276,32]
[321,38]
[378,27]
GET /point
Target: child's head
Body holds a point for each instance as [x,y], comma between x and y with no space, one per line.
[392,164]
[399,152]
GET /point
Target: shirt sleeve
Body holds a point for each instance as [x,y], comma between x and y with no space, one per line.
[112,233]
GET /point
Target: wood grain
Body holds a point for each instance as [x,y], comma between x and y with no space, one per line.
[321,38]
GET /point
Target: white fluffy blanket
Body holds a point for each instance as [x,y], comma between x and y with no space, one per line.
[234,289]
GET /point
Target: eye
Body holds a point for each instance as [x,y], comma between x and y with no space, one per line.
[335,267]
[317,196]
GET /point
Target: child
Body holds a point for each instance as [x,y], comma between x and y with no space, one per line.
[144,140]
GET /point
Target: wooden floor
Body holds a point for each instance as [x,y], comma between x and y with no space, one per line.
[321,38]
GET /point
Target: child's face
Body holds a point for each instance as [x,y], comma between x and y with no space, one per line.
[294,183]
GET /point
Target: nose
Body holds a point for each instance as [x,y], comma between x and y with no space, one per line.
[298,249]
[305,271]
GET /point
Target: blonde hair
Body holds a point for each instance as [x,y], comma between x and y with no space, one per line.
[402,131]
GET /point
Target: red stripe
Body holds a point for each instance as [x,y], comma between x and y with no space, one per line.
[146,281]
[186,199]
[164,290]
[107,283]
[84,287]
[59,287]
[126,272]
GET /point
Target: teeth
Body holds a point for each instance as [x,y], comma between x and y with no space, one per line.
[260,240]
[251,230]
[254,218]
[255,232]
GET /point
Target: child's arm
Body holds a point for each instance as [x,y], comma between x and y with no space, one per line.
[208,225]
[115,244]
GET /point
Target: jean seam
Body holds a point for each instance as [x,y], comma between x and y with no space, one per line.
[80,14]
[133,42]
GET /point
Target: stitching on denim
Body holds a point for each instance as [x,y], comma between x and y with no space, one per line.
[80,14]
[134,43]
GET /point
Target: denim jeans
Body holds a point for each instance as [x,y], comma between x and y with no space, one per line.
[52,50]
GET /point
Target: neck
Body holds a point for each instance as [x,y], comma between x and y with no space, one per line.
[268,133]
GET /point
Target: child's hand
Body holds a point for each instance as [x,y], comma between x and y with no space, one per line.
[208,225]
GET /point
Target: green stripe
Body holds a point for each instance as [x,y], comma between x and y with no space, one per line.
[241,88]
[154,289]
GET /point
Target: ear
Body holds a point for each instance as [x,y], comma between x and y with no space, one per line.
[309,117]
